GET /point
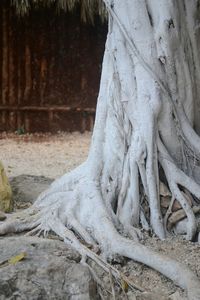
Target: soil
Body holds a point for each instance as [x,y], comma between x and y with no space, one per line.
[43,154]
[53,155]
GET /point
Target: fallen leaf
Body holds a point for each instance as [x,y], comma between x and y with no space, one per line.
[15,259]
[124,285]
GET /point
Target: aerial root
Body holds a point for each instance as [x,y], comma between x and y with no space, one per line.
[168,213]
[176,177]
[191,224]
[192,138]
[124,186]
[156,219]
[129,209]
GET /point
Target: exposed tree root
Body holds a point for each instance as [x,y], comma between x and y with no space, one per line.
[70,210]
[102,201]
[96,228]
[176,177]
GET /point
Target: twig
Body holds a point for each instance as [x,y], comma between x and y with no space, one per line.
[112,284]
[106,267]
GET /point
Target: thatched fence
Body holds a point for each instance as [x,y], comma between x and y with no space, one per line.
[50,68]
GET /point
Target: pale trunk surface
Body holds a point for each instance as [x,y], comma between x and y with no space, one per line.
[147,107]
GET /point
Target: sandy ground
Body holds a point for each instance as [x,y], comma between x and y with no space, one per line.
[52,156]
[47,155]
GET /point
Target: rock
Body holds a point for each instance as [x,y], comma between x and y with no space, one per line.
[152,296]
[176,296]
[181,226]
[176,206]
[49,271]
[164,191]
[6,202]
[2,216]
[165,201]
[131,295]
[26,189]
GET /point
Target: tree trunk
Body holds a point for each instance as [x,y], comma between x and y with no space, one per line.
[143,133]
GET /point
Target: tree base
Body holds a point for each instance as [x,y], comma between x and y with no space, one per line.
[141,129]
[88,218]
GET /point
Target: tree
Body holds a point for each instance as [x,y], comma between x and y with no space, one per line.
[147,108]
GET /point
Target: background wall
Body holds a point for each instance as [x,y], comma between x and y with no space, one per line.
[50,67]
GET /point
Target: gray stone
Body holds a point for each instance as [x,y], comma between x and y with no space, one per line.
[49,271]
[2,216]
[152,296]
[26,189]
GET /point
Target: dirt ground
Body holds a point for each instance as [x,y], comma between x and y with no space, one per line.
[43,154]
[51,156]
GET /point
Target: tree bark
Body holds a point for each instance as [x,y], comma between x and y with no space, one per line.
[143,133]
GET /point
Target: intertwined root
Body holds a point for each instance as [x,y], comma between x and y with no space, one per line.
[75,210]
[103,197]
[177,178]
[115,244]
[80,216]
[143,164]
[100,202]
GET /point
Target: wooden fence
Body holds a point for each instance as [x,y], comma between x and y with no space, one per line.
[50,69]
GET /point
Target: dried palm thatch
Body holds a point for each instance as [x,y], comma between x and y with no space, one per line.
[89,8]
